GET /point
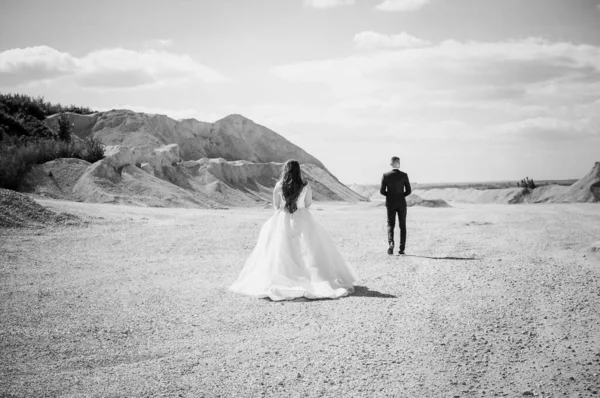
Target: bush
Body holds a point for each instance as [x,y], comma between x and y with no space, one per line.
[25,140]
[22,115]
[17,158]
[14,104]
[64,127]
[36,107]
[92,151]
[10,126]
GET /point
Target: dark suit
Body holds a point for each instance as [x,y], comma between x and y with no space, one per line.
[395,186]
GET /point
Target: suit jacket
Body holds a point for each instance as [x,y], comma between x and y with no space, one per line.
[395,186]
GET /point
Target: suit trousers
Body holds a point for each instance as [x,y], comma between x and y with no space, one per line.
[400,211]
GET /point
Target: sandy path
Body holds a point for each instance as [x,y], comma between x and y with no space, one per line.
[136,304]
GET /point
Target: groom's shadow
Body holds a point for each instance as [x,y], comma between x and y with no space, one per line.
[442,258]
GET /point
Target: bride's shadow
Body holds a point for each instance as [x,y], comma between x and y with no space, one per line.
[359,291]
[363,291]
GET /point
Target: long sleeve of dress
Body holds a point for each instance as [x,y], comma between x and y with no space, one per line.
[308,196]
[276,197]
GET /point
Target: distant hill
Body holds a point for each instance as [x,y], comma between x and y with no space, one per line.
[586,189]
[231,138]
[153,160]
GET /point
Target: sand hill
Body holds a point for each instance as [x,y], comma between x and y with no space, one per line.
[587,189]
[231,138]
[153,160]
[18,210]
[372,193]
[159,177]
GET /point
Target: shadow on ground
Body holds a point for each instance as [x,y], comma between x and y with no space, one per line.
[359,291]
[363,291]
[443,258]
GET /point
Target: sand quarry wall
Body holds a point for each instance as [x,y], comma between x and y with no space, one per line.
[149,176]
[231,138]
[152,160]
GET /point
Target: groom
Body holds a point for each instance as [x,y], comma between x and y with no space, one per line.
[395,187]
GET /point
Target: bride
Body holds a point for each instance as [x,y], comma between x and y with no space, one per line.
[294,256]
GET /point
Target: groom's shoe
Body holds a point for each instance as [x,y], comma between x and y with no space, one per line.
[401,251]
[391,249]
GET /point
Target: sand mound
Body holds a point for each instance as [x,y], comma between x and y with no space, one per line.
[158,177]
[508,195]
[152,160]
[415,200]
[117,179]
[82,124]
[244,183]
[543,194]
[367,191]
[18,210]
[54,179]
[585,190]
[231,138]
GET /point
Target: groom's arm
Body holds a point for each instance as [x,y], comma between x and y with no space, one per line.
[407,189]
[383,189]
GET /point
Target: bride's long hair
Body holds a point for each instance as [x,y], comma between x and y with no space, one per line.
[291,184]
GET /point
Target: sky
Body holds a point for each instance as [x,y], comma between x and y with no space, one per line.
[460,90]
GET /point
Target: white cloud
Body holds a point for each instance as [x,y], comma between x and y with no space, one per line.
[327,3]
[551,129]
[401,5]
[114,68]
[35,63]
[508,68]
[165,42]
[372,40]
[158,43]
[486,100]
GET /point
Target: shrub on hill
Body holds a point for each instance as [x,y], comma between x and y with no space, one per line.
[22,115]
[64,127]
[25,140]
[16,160]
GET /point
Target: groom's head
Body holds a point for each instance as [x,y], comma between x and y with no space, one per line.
[395,163]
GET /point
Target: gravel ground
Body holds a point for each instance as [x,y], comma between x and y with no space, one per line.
[18,210]
[491,300]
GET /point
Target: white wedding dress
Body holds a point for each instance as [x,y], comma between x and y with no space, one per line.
[295,257]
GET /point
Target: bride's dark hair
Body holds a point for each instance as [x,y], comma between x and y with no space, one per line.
[291,184]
